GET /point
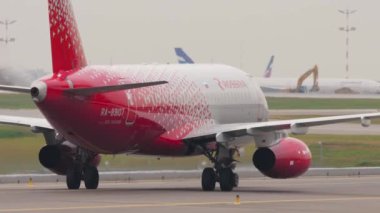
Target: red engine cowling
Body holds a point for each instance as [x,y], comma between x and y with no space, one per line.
[287,159]
[58,158]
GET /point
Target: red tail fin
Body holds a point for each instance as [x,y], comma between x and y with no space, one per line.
[66,46]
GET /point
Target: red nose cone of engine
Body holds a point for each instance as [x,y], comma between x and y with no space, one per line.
[289,158]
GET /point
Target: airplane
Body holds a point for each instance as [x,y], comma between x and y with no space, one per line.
[302,85]
[319,86]
[175,110]
[293,85]
[268,70]
[183,58]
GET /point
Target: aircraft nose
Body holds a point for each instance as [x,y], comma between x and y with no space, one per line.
[38,91]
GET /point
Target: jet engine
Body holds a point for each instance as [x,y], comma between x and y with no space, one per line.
[58,158]
[288,158]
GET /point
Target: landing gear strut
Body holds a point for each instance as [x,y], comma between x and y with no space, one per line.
[222,171]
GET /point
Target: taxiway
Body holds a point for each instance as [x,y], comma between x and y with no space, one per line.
[306,194]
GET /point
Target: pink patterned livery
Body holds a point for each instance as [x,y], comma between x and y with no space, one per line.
[66,45]
[172,110]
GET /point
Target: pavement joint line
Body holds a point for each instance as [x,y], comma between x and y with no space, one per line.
[174,204]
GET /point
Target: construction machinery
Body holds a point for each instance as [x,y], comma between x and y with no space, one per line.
[303,89]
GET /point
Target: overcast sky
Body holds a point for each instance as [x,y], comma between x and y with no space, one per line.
[241,33]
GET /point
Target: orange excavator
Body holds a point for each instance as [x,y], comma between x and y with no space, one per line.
[303,77]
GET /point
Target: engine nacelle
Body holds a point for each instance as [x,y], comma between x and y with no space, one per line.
[58,158]
[287,159]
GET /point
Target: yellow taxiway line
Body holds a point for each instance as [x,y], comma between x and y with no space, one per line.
[176,204]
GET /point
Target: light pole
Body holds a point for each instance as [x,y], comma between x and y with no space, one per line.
[7,39]
[347,29]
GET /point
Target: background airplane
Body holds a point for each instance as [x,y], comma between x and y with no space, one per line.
[268,71]
[305,85]
[165,110]
[316,85]
[183,58]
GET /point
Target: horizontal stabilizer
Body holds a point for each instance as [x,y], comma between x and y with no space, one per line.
[15,89]
[94,90]
[36,123]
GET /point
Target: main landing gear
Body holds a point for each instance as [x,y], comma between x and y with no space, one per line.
[222,171]
[82,171]
[89,174]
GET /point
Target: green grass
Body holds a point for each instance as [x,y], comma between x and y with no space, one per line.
[8,132]
[322,103]
[16,101]
[343,151]
[133,162]
[19,150]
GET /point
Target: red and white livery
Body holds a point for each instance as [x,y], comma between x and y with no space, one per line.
[166,110]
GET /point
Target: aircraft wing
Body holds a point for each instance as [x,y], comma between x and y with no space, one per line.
[224,132]
[39,123]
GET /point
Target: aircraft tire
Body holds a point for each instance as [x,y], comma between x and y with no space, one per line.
[227,179]
[236,180]
[208,179]
[91,177]
[73,177]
